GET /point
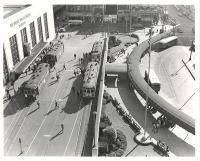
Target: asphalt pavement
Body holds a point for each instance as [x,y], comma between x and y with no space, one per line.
[39,129]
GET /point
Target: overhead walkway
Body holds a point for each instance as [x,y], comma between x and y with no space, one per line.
[136,80]
[115,68]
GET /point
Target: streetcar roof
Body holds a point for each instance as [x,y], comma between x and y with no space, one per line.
[37,76]
[91,75]
[57,47]
[168,39]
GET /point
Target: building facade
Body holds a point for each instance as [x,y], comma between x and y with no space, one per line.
[26,27]
[143,14]
[87,13]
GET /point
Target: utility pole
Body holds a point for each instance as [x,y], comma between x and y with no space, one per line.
[130,24]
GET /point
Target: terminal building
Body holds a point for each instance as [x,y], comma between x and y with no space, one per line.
[27,30]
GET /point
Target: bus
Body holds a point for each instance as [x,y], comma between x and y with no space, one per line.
[75,22]
[154,82]
[32,87]
[167,42]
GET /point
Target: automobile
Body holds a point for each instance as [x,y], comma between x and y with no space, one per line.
[179,30]
[62,29]
[162,147]
[128,44]
[114,32]
[180,14]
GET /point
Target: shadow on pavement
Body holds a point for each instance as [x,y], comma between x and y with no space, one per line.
[59,133]
[74,99]
[32,112]
[16,104]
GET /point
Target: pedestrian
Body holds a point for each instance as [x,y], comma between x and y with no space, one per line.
[78,93]
[154,127]
[64,67]
[7,92]
[38,104]
[74,73]
[62,127]
[54,68]
[73,88]
[74,56]
[20,144]
[49,69]
[82,72]
[57,77]
[56,105]
[9,96]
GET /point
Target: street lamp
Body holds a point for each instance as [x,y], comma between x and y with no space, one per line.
[146,105]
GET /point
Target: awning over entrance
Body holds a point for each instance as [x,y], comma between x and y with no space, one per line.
[27,61]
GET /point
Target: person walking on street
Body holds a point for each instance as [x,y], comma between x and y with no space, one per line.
[38,104]
[64,67]
[20,144]
[74,56]
[49,69]
[74,73]
[56,105]
[57,76]
[78,93]
[73,88]
[62,127]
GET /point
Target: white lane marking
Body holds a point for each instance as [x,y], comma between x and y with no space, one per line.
[13,122]
[72,129]
[79,132]
[43,119]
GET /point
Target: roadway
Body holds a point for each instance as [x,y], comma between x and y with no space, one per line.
[134,104]
[40,129]
[177,85]
[185,24]
[176,89]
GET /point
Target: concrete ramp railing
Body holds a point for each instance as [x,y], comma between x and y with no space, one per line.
[178,117]
[95,148]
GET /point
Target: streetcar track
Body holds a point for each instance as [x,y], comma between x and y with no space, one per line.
[51,131]
[13,141]
[14,121]
[73,128]
[45,117]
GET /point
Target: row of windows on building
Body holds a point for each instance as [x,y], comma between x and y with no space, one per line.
[13,39]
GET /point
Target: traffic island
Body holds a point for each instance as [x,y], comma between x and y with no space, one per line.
[142,139]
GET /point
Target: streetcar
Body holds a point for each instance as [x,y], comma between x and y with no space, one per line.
[54,53]
[168,42]
[96,52]
[33,87]
[90,80]
[154,82]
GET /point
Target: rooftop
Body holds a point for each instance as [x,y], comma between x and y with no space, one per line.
[9,10]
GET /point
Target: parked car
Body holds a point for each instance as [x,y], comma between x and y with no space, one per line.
[179,30]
